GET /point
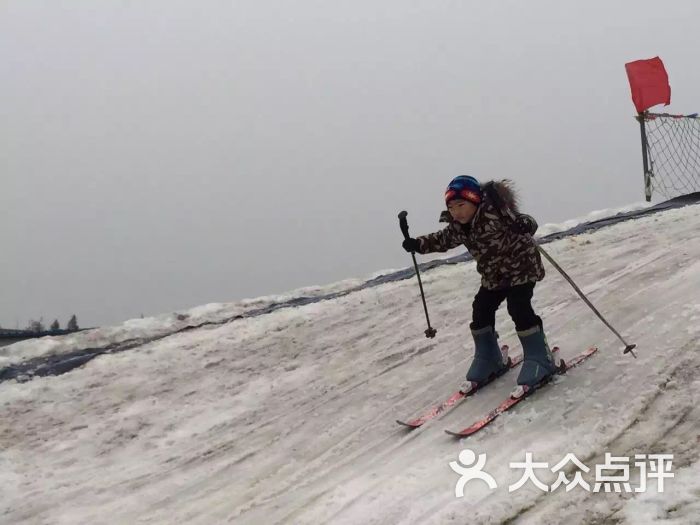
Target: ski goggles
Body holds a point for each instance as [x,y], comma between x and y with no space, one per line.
[466,194]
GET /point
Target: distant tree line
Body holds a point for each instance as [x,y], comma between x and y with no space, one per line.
[38,326]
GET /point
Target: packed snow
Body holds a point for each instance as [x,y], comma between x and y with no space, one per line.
[289,417]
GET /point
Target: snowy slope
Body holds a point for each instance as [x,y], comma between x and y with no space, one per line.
[288,417]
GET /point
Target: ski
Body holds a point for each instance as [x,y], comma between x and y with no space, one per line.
[455,398]
[510,402]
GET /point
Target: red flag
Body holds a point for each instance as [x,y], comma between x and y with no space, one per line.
[649,83]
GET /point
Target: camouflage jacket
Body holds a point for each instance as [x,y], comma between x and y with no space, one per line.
[503,258]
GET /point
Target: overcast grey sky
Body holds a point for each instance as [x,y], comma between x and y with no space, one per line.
[157,155]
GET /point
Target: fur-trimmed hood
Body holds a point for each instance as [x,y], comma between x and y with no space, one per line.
[505,197]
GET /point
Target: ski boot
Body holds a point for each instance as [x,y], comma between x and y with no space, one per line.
[490,360]
[539,364]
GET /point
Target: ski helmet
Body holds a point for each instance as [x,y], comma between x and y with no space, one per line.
[464,187]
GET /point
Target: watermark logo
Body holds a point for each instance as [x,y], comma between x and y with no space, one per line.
[613,475]
[467,473]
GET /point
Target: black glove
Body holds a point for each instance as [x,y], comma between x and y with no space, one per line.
[411,245]
[524,224]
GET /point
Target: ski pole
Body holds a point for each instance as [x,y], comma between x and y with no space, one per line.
[629,348]
[403,224]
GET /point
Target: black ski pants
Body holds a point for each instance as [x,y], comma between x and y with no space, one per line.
[519,298]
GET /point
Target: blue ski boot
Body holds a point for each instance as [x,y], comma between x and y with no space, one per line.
[539,363]
[489,362]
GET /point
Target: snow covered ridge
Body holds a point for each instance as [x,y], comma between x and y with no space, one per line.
[24,359]
[596,215]
[136,332]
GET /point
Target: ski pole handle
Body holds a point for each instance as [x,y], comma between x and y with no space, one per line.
[403,224]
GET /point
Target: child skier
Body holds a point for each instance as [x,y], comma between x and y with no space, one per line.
[507,258]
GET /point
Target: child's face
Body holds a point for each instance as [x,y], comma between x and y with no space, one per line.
[462,211]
